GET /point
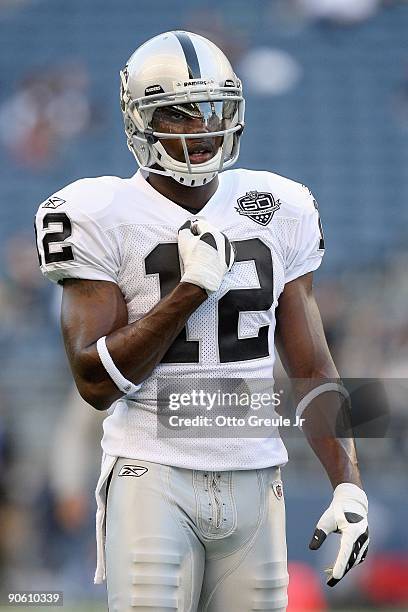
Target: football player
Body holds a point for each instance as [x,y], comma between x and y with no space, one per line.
[188,272]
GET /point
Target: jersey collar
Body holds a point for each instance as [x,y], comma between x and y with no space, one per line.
[141,175]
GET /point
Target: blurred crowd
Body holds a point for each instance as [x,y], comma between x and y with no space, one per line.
[49,108]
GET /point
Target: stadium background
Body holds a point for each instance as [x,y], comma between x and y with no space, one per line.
[327,104]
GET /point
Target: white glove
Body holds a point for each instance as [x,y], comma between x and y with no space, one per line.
[206,254]
[347,514]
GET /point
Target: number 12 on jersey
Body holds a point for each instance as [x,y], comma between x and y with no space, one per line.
[164,261]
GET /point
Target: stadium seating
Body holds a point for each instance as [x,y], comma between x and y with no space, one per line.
[340,130]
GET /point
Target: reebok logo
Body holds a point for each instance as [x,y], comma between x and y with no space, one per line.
[53,202]
[132,470]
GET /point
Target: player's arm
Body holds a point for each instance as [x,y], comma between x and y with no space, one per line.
[306,357]
[94,309]
[307,360]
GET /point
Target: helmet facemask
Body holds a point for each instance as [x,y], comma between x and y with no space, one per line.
[212,117]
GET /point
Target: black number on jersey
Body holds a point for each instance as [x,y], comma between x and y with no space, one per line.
[321,241]
[231,347]
[36,243]
[164,261]
[65,253]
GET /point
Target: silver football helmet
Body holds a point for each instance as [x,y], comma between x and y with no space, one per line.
[189,73]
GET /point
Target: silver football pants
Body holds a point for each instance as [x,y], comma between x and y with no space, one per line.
[188,540]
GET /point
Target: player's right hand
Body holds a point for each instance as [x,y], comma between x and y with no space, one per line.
[206,254]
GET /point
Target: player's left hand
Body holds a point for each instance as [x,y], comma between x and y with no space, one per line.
[347,515]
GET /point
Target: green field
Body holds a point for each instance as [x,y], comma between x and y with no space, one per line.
[84,607]
[92,607]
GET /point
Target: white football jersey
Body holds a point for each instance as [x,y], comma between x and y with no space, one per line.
[124,231]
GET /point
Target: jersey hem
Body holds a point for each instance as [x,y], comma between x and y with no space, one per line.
[202,467]
[313,265]
[82,272]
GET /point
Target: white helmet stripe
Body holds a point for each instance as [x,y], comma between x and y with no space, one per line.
[190,54]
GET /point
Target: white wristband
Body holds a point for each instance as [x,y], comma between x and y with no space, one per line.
[122,383]
[309,397]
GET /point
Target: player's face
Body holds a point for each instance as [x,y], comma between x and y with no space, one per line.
[200,118]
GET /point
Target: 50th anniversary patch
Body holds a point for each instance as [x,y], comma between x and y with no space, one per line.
[259,206]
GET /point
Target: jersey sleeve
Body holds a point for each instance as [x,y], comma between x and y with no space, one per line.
[71,242]
[307,248]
